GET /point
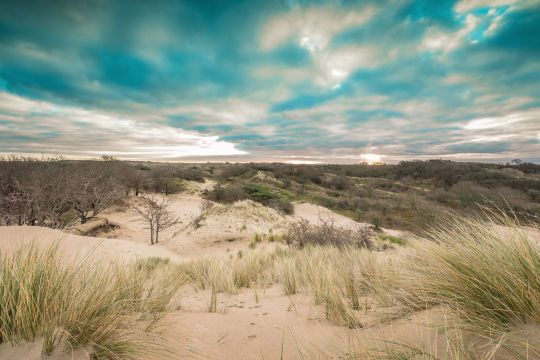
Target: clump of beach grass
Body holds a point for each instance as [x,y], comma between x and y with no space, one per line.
[105,307]
[486,270]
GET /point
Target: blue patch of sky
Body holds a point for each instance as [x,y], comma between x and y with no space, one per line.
[50,134]
[179,121]
[492,147]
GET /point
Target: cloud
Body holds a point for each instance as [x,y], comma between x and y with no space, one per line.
[464,6]
[314,27]
[261,80]
[439,40]
[41,127]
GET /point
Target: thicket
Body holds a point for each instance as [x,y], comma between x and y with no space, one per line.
[53,192]
[409,195]
[235,192]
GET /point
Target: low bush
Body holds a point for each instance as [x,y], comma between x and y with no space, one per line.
[327,232]
[282,205]
[260,194]
[227,193]
[392,239]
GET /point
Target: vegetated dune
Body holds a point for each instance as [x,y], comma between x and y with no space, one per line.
[219,229]
[260,320]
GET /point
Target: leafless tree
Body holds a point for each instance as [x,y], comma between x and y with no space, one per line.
[90,194]
[155,212]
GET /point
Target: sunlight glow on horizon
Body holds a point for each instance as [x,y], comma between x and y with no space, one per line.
[371,158]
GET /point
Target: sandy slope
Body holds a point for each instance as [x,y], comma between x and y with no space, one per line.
[32,351]
[270,324]
[223,228]
[13,236]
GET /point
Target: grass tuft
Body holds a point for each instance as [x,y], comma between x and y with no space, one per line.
[105,307]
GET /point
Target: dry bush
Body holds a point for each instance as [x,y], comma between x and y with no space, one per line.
[197,220]
[327,232]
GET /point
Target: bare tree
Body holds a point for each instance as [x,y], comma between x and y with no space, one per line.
[156,214]
[90,194]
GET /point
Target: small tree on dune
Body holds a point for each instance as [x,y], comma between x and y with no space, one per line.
[156,214]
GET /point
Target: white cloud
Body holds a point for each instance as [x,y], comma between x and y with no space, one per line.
[493,26]
[314,26]
[464,6]
[82,132]
[438,40]
[335,66]
[232,111]
[303,162]
[498,121]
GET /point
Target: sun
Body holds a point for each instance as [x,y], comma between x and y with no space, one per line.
[371,158]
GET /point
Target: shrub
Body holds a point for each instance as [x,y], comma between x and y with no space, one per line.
[282,205]
[151,263]
[393,239]
[260,194]
[227,194]
[326,232]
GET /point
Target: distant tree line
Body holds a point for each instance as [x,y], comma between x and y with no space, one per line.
[54,191]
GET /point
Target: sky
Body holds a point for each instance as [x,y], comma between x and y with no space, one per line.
[271,80]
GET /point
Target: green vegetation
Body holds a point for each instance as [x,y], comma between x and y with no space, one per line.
[392,239]
[411,195]
[489,276]
[261,194]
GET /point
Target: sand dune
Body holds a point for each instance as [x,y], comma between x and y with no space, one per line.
[13,236]
[255,323]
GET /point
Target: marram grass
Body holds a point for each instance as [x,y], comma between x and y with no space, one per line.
[486,272]
[103,307]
